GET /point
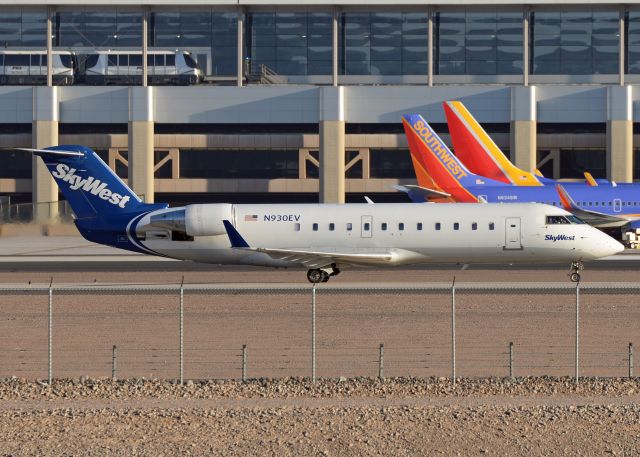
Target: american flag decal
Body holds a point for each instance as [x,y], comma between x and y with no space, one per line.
[251,218]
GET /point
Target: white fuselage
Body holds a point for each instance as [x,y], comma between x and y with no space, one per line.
[413,233]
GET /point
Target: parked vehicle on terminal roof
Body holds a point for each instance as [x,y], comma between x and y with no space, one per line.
[30,67]
[125,68]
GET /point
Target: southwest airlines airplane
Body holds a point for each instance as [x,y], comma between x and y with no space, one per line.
[482,156]
[442,177]
[322,238]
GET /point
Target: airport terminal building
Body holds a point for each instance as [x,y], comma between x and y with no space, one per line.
[251,100]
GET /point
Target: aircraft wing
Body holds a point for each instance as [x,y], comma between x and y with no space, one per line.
[419,194]
[319,259]
[594,218]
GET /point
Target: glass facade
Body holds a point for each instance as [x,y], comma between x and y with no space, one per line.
[478,43]
[23,28]
[574,42]
[391,163]
[211,37]
[290,43]
[236,164]
[632,42]
[383,43]
[574,162]
[470,41]
[92,29]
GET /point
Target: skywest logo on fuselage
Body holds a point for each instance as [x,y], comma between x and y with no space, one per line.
[432,142]
[555,238]
[92,185]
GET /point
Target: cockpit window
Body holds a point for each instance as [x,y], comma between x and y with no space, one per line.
[575,220]
[557,220]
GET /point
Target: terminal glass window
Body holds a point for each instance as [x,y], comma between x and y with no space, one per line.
[478,43]
[391,163]
[382,43]
[211,37]
[239,164]
[574,42]
[632,45]
[15,164]
[289,43]
[97,29]
[575,162]
[23,28]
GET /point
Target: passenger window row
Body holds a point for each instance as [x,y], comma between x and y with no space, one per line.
[384,226]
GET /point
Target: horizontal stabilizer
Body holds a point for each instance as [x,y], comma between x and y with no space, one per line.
[593,218]
[47,151]
[419,194]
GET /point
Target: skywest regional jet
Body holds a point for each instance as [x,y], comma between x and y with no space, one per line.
[320,237]
[442,176]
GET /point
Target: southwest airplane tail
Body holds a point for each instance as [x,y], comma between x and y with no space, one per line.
[436,164]
[102,203]
[482,156]
[479,152]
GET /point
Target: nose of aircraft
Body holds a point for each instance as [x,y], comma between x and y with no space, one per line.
[606,246]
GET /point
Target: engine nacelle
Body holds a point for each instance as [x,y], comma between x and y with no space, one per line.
[206,219]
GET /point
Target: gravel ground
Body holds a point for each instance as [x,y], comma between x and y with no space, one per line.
[526,416]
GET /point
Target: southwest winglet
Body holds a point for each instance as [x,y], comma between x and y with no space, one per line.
[565,198]
[234,237]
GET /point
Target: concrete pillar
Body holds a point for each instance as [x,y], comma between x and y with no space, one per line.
[430,48]
[44,133]
[334,46]
[332,182]
[620,133]
[141,115]
[240,48]
[523,127]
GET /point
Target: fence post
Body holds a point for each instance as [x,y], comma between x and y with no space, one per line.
[630,360]
[313,334]
[381,362]
[244,363]
[114,356]
[577,342]
[50,328]
[453,330]
[182,331]
[511,359]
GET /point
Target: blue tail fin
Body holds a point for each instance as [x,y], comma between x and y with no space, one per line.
[92,189]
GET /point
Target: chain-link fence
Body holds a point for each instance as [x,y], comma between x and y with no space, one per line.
[218,331]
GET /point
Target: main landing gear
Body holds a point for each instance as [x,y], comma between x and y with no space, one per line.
[576,266]
[317,275]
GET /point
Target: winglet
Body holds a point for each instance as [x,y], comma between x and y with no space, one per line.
[589,178]
[234,237]
[565,198]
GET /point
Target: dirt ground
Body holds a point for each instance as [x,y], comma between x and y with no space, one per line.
[526,417]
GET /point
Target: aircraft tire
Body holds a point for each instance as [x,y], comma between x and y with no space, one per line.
[315,276]
[574,277]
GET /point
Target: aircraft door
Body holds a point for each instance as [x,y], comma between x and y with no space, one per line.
[366,227]
[512,236]
[617,205]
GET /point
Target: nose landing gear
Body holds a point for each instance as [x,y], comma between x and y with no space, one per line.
[317,275]
[576,267]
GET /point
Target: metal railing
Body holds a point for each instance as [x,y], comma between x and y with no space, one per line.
[24,213]
[197,331]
